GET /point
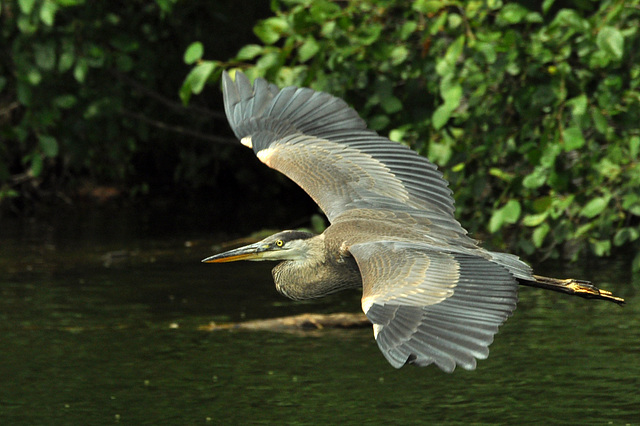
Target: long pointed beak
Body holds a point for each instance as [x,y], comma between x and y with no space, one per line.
[250,252]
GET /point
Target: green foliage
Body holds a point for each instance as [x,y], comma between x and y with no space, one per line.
[89,92]
[61,100]
[532,114]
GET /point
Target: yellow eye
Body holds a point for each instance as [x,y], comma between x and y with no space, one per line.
[279,243]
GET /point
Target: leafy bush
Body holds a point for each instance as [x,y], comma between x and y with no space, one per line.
[533,115]
[89,93]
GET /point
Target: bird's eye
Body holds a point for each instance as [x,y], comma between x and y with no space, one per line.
[279,243]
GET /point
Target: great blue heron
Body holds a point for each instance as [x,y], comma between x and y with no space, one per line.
[432,293]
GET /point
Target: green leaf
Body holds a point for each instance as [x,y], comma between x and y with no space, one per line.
[6,192]
[199,75]
[196,79]
[399,54]
[599,121]
[268,61]
[488,50]
[625,235]
[611,41]
[290,76]
[65,101]
[34,77]
[546,5]
[369,34]
[509,214]
[630,200]
[428,6]
[308,49]
[542,204]
[535,179]
[571,19]
[322,11]
[512,211]
[560,204]
[454,20]
[66,61]
[193,53]
[80,70]
[48,12]
[248,52]
[26,6]
[549,155]
[440,116]
[608,169]
[390,104]
[578,105]
[634,146]
[601,247]
[379,122]
[534,219]
[49,145]
[45,55]
[539,234]
[36,165]
[407,29]
[455,50]
[271,29]
[573,138]
[458,168]
[452,96]
[501,174]
[397,135]
[584,229]
[26,25]
[511,13]
[594,207]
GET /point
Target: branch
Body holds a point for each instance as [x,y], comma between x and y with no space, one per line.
[9,108]
[178,129]
[176,106]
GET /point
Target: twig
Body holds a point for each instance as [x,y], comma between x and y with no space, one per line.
[178,129]
[9,108]
[166,101]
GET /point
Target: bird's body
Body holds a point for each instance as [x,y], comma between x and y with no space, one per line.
[433,294]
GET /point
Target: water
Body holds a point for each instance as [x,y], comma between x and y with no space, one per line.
[102,323]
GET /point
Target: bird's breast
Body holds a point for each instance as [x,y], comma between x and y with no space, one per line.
[299,280]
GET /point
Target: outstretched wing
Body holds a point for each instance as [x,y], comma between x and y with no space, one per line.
[322,144]
[430,306]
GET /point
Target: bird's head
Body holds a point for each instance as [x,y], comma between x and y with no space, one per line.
[285,245]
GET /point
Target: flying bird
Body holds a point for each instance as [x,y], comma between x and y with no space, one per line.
[433,294]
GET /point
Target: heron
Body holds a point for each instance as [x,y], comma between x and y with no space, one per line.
[432,293]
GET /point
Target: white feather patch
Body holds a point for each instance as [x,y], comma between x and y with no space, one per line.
[377,328]
[246,141]
[264,155]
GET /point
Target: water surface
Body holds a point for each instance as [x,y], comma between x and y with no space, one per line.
[102,323]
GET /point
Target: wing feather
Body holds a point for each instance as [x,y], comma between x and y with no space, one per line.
[433,307]
[299,124]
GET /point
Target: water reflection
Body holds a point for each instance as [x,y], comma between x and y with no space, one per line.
[86,341]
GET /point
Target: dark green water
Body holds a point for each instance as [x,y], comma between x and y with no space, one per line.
[100,325]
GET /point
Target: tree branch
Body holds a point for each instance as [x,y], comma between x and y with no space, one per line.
[178,129]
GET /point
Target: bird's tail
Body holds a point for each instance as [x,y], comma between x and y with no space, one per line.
[572,286]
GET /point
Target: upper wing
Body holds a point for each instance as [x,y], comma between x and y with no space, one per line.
[322,144]
[429,306]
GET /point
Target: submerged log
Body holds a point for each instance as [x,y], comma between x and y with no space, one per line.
[303,322]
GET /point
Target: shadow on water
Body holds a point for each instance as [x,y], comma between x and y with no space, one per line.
[102,325]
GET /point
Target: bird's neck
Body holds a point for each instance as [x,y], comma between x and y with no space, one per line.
[316,274]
